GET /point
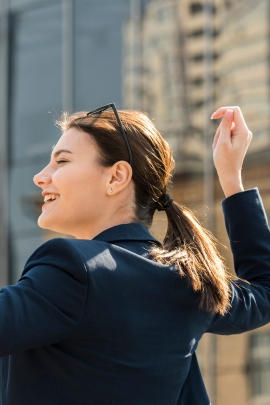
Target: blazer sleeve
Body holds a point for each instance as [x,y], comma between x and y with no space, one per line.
[47,303]
[249,235]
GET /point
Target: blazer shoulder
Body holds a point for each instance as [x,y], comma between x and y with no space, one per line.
[60,253]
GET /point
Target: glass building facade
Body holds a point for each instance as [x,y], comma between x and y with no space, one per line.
[54,56]
[259,366]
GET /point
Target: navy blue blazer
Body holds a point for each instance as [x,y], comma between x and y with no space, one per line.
[97,322]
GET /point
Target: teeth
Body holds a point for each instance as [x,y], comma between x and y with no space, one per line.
[50,197]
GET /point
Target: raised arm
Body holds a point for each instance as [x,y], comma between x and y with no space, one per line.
[247,227]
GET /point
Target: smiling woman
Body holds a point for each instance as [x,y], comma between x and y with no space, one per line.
[84,206]
[114,316]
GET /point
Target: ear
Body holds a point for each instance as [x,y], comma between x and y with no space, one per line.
[120,177]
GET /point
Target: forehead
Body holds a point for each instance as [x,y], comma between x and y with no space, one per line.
[75,141]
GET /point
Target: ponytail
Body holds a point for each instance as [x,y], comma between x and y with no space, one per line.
[191,249]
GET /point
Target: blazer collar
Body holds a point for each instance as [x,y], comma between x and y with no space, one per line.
[124,232]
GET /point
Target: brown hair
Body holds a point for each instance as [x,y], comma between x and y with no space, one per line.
[187,245]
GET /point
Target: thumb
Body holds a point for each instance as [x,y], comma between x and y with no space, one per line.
[226,126]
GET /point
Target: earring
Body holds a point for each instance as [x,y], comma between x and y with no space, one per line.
[110,190]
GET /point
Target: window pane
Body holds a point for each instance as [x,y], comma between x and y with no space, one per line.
[36,44]
[36,84]
[98,52]
[260,364]
[18,3]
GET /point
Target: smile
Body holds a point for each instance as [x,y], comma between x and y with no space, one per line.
[50,197]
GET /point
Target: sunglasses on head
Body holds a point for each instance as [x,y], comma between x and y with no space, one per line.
[113,107]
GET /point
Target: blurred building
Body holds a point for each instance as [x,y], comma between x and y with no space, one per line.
[243,70]
[243,67]
[165,60]
[164,73]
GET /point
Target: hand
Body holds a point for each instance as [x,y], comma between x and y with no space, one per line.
[229,148]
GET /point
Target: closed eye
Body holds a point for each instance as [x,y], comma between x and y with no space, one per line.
[61,161]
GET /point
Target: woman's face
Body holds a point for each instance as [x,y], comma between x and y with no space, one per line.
[74,186]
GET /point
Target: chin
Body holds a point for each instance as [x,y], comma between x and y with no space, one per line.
[47,223]
[54,226]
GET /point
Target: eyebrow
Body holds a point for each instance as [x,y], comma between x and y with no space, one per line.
[60,151]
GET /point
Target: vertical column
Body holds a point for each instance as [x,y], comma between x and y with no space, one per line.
[184,131]
[68,55]
[4,151]
[182,71]
[208,175]
[135,53]
[268,19]
[208,110]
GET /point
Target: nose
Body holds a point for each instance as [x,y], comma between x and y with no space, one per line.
[42,178]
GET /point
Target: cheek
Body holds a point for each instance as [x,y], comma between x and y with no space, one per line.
[83,185]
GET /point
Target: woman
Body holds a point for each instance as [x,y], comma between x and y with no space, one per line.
[114,316]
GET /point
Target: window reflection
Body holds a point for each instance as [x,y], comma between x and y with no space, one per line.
[36,84]
[259,345]
[36,43]
[98,52]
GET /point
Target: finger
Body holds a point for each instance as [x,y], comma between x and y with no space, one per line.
[233,129]
[238,116]
[216,137]
[226,126]
[249,137]
[221,111]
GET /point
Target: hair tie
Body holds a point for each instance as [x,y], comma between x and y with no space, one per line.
[164,202]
